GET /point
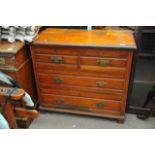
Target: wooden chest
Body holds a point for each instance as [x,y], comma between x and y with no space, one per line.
[15,60]
[83,72]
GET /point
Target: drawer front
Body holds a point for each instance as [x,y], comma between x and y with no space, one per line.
[82,92]
[61,81]
[83,70]
[103,62]
[79,103]
[56,59]
[7,61]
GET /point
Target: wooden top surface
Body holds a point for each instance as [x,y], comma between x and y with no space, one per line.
[93,38]
[13,48]
[16,95]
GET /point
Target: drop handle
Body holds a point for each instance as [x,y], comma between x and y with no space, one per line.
[101,84]
[100,105]
[59,101]
[56,59]
[57,80]
[102,62]
[2,61]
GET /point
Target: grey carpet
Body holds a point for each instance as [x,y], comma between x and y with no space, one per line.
[67,121]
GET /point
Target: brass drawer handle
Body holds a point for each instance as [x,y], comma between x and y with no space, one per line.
[101,84]
[100,105]
[2,61]
[56,59]
[103,62]
[59,101]
[57,80]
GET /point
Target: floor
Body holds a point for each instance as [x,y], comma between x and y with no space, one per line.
[67,121]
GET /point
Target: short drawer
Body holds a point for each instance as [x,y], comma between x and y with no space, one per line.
[103,62]
[82,92]
[103,65]
[56,59]
[79,103]
[7,61]
[61,81]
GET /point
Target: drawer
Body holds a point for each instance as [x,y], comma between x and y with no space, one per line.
[61,81]
[74,51]
[79,103]
[56,59]
[103,62]
[83,70]
[7,61]
[103,65]
[82,92]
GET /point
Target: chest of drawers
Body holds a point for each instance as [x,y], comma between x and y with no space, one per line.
[15,60]
[83,72]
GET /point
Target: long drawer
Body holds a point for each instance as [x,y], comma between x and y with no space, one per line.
[79,103]
[72,70]
[61,81]
[83,70]
[82,92]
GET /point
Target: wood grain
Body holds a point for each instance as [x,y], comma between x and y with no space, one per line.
[94,38]
[82,92]
[81,81]
[94,68]
[80,102]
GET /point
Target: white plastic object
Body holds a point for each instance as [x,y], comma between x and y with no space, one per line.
[3,122]
[28,100]
[89,28]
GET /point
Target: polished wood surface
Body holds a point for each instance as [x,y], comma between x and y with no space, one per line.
[83,72]
[10,116]
[11,48]
[21,112]
[81,81]
[16,95]
[83,103]
[102,93]
[93,38]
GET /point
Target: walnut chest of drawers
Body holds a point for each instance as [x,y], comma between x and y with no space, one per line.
[83,72]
